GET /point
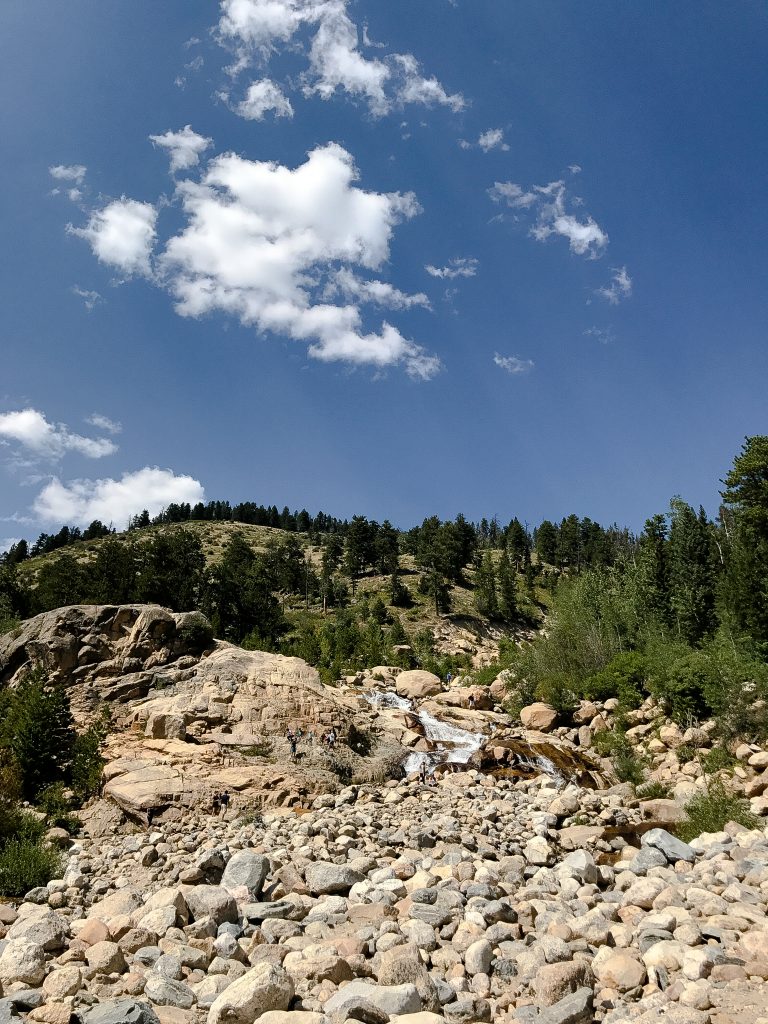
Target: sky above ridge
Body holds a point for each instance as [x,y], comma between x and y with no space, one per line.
[383,258]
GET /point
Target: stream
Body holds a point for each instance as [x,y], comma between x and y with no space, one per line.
[450,744]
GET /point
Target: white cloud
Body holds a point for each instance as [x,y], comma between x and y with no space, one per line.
[184,147]
[512,194]
[90,298]
[115,501]
[512,364]
[585,237]
[256,28]
[619,288]
[574,168]
[263,242]
[262,97]
[30,429]
[604,335]
[459,266]
[380,293]
[68,172]
[7,542]
[104,423]
[492,139]
[122,235]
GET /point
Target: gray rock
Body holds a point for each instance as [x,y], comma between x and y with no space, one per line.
[265,987]
[575,1008]
[648,857]
[323,877]
[167,992]
[246,868]
[391,999]
[673,848]
[121,1011]
[212,901]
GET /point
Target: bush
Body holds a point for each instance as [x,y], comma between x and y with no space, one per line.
[56,807]
[717,759]
[685,753]
[196,634]
[614,744]
[653,791]
[689,687]
[25,865]
[711,812]
[623,677]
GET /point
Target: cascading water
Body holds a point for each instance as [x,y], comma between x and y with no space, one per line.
[451,744]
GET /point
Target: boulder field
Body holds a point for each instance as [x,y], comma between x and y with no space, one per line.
[466,900]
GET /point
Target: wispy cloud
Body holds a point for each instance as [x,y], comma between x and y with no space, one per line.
[256,29]
[459,266]
[90,298]
[104,423]
[263,97]
[513,364]
[604,335]
[549,204]
[68,172]
[619,288]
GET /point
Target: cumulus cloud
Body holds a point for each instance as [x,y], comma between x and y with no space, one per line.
[90,298]
[459,266]
[513,364]
[68,172]
[31,431]
[263,242]
[492,139]
[184,147]
[104,423]
[261,98]
[256,29]
[122,235]
[549,204]
[115,501]
[619,288]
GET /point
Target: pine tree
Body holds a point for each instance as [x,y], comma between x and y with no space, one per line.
[691,573]
[507,585]
[486,600]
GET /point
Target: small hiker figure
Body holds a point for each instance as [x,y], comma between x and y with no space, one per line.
[472,701]
[423,773]
[150,816]
[294,741]
[224,799]
[216,803]
[332,739]
[449,677]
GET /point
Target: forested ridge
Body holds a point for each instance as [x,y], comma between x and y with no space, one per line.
[680,610]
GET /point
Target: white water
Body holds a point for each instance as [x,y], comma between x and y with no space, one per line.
[452,744]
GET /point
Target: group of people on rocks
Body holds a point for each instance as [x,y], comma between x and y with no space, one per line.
[294,737]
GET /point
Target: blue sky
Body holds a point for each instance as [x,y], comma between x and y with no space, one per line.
[407,258]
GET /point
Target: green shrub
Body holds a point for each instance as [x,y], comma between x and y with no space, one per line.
[56,807]
[717,759]
[685,753]
[689,687]
[711,812]
[628,766]
[623,677]
[197,633]
[25,865]
[653,791]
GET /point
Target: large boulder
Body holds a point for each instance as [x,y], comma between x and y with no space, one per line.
[265,987]
[23,961]
[323,877]
[121,1011]
[390,999]
[212,901]
[246,869]
[539,717]
[417,684]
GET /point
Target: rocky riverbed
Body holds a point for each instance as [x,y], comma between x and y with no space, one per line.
[469,900]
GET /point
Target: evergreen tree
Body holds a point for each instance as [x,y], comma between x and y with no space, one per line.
[113,573]
[171,573]
[486,600]
[653,571]
[546,542]
[745,588]
[386,548]
[691,573]
[239,600]
[507,586]
[36,726]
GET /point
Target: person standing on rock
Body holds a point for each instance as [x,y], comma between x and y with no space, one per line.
[224,800]
[423,773]
[294,741]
